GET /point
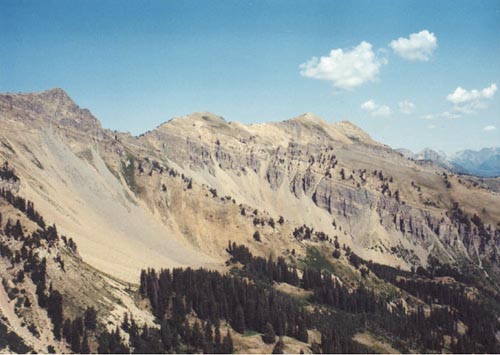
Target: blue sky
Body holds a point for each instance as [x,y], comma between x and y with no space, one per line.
[136,64]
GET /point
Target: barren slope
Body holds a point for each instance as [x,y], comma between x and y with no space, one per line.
[64,173]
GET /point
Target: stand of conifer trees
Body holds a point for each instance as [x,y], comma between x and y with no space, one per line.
[421,331]
[215,297]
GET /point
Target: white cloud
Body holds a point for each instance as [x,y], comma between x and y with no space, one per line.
[406,107]
[419,46]
[469,101]
[375,109]
[448,114]
[346,69]
[445,114]
[489,128]
[466,102]
[462,96]
[431,126]
[369,105]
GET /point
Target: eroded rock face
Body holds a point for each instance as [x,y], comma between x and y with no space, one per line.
[332,177]
[313,159]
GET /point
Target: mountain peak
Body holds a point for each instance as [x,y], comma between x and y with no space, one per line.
[55,92]
[203,117]
[55,96]
[53,105]
[309,117]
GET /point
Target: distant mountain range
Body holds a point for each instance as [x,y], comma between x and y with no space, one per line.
[484,162]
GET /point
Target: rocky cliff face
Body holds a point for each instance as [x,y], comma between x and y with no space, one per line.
[386,206]
[175,195]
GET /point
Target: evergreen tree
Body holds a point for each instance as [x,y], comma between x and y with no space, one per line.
[269,336]
[208,344]
[144,285]
[40,292]
[217,340]
[239,320]
[302,332]
[279,347]
[103,343]
[55,312]
[79,325]
[125,322]
[227,344]
[91,318]
[75,338]
[67,330]
[197,335]
[85,344]
[166,334]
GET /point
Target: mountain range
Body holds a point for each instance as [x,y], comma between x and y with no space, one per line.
[201,225]
[482,163]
